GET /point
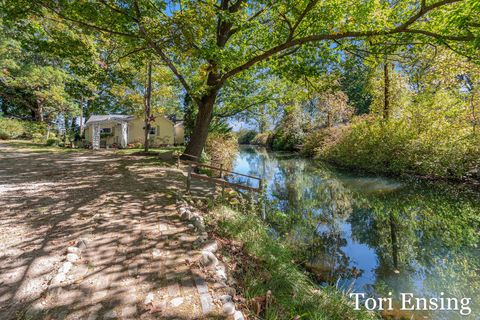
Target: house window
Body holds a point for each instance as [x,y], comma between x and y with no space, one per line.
[106,130]
[153,131]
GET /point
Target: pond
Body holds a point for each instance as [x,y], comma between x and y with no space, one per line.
[373,234]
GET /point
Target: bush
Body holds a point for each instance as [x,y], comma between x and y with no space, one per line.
[246,136]
[11,128]
[222,148]
[53,142]
[263,139]
[32,129]
[14,129]
[319,141]
[438,150]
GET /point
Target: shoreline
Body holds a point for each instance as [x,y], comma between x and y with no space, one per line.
[467,183]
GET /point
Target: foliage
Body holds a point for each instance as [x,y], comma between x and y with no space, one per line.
[290,133]
[52,142]
[334,108]
[13,128]
[131,92]
[222,148]
[440,149]
[321,140]
[400,93]
[246,136]
[210,47]
[355,83]
[276,271]
[263,139]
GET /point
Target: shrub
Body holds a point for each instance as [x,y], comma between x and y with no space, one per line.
[11,128]
[441,149]
[222,148]
[32,129]
[14,128]
[38,138]
[246,136]
[319,141]
[53,142]
[263,139]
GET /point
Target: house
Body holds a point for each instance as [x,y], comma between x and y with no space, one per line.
[123,130]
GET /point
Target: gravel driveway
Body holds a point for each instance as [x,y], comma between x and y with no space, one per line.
[123,208]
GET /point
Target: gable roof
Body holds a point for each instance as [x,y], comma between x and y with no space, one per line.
[110,117]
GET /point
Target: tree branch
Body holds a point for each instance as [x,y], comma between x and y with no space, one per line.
[403,28]
[423,10]
[88,25]
[311,4]
[130,53]
[440,36]
[233,113]
[162,54]
[118,10]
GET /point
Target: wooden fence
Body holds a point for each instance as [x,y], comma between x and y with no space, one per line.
[220,180]
[221,174]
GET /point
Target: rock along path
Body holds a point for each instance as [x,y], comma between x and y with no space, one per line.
[138,262]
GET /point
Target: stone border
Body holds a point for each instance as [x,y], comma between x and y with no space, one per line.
[208,258]
[54,287]
[73,255]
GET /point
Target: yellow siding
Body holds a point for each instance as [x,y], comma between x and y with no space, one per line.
[179,134]
[88,133]
[164,134]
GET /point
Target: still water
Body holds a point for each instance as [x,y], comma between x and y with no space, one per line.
[373,234]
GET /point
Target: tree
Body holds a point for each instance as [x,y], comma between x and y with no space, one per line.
[356,75]
[30,83]
[290,132]
[207,44]
[147,102]
[334,107]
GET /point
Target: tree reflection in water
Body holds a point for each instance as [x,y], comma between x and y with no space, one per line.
[373,234]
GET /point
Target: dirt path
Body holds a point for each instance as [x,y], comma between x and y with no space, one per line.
[137,249]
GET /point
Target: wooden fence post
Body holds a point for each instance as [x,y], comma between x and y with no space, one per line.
[189,177]
[223,184]
[261,199]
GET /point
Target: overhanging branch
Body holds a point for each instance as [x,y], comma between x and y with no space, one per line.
[402,28]
[162,54]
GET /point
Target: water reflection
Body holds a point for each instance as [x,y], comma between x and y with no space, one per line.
[373,234]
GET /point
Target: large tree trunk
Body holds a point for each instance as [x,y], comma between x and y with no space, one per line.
[386,92]
[39,112]
[202,123]
[148,98]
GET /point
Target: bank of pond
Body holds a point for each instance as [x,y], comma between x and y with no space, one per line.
[372,234]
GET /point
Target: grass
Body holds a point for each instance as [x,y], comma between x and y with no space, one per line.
[30,146]
[271,267]
[151,150]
